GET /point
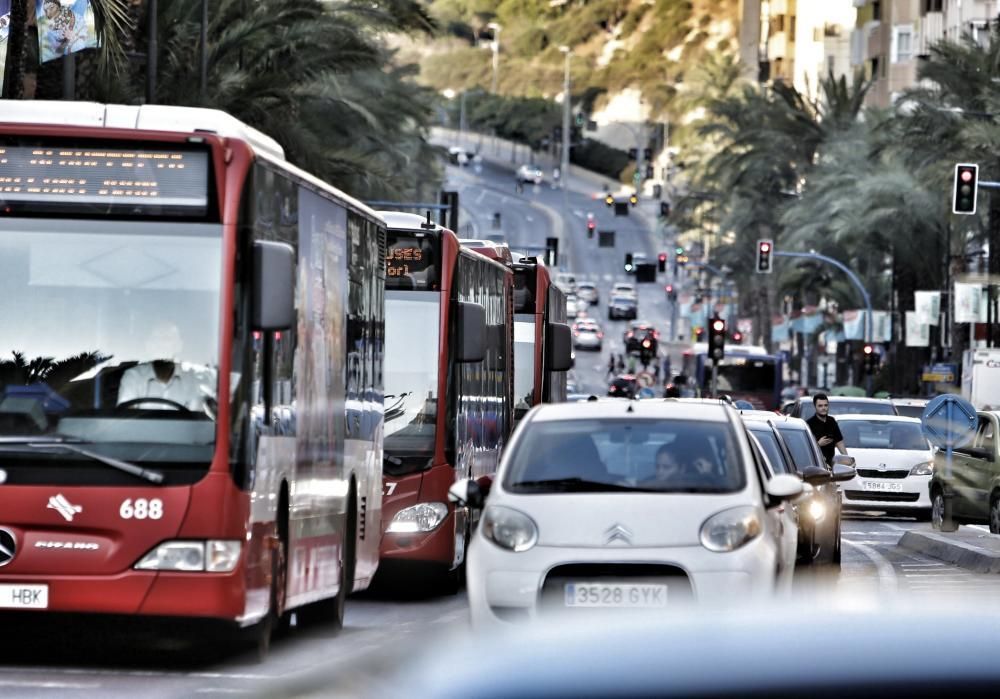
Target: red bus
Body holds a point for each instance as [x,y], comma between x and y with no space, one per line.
[449,388]
[152,260]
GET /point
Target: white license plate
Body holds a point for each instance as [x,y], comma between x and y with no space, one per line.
[884,486]
[24,596]
[620,595]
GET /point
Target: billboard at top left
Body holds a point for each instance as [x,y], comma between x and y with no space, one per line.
[64,27]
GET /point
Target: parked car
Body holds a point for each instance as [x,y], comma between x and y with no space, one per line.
[529,174]
[820,515]
[844,405]
[620,506]
[974,481]
[587,334]
[588,291]
[623,307]
[894,462]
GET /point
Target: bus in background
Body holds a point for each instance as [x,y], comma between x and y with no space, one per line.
[200,433]
[747,372]
[543,343]
[542,337]
[449,390]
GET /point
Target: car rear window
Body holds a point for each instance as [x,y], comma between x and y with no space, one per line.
[626,455]
[883,434]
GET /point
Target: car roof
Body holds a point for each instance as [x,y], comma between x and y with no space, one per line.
[853,417]
[910,401]
[849,399]
[707,411]
[776,418]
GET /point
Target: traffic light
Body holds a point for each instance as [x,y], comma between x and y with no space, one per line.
[662,261]
[678,251]
[717,339]
[671,292]
[966,188]
[764,250]
[591,226]
[871,360]
[633,200]
[737,337]
[609,200]
[664,209]
[650,172]
[580,119]
[628,262]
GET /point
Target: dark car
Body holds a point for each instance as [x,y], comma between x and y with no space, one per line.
[641,338]
[623,307]
[788,441]
[624,386]
[843,405]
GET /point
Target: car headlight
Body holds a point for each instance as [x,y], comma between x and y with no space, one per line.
[424,517]
[816,510]
[212,556]
[509,529]
[924,469]
[731,529]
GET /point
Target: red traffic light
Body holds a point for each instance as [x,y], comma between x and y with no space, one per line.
[669,288]
[718,325]
[591,224]
[966,175]
[737,337]
[764,247]
[663,257]
[869,349]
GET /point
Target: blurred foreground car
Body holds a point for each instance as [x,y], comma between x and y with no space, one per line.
[625,506]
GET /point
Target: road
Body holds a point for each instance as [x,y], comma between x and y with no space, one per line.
[72,658]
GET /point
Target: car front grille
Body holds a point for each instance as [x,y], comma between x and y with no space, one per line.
[872,473]
[871,496]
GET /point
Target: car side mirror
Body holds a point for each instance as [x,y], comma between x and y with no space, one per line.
[273,286]
[815,475]
[842,473]
[467,493]
[843,459]
[471,332]
[784,487]
[559,347]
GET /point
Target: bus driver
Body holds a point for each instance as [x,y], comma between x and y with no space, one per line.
[166,379]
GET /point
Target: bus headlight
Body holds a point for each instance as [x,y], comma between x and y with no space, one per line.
[509,529]
[212,556]
[424,517]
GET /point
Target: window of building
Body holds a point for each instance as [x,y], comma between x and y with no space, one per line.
[932,6]
[877,10]
[902,43]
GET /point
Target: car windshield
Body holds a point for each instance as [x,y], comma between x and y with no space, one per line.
[668,456]
[849,407]
[883,434]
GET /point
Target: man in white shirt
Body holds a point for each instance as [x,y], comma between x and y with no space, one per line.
[166,379]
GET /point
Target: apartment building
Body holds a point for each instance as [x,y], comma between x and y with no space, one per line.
[890,37]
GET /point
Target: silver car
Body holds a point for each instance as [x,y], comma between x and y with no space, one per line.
[588,292]
[588,335]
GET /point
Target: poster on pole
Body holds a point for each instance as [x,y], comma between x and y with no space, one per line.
[927,305]
[881,326]
[4,33]
[918,333]
[64,27]
[968,298]
[854,325]
[780,328]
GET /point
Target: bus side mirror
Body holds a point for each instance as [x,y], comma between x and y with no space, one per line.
[471,332]
[559,347]
[273,286]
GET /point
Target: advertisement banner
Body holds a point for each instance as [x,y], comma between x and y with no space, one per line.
[64,27]
[854,325]
[927,305]
[881,326]
[780,328]
[808,323]
[968,298]
[918,333]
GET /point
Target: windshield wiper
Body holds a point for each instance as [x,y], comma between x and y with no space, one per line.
[578,484]
[396,409]
[72,445]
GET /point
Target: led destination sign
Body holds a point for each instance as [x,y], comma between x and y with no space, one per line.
[64,179]
[411,261]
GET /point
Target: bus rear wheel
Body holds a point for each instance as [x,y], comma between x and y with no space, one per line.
[330,612]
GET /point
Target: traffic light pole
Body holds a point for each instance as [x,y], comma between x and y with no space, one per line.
[869,319]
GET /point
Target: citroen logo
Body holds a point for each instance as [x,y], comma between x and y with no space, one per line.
[8,547]
[618,533]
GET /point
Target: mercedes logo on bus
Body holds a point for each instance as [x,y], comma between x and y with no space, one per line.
[8,547]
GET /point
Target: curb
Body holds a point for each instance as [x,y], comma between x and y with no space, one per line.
[949,550]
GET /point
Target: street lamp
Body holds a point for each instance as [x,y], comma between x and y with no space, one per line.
[495,46]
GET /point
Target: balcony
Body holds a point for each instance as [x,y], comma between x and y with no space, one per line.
[930,30]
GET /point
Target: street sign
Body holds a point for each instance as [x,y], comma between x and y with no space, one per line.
[940,373]
[605,239]
[949,421]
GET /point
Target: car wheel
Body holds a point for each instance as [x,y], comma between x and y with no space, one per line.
[995,514]
[937,514]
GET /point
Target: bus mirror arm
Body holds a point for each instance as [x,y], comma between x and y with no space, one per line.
[559,347]
[471,336]
[273,286]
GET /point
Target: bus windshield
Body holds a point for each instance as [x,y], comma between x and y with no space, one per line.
[412,358]
[111,338]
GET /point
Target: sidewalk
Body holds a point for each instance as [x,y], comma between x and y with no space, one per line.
[968,548]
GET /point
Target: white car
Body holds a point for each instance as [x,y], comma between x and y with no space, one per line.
[566,281]
[530,174]
[587,335]
[626,505]
[894,463]
[588,291]
[575,306]
[624,289]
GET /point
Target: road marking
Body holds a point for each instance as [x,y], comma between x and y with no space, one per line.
[482,194]
[922,565]
[980,527]
[49,684]
[221,690]
[887,582]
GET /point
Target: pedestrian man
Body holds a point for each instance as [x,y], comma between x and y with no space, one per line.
[825,429]
[611,365]
[620,364]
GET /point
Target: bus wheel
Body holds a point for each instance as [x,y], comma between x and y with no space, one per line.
[330,611]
